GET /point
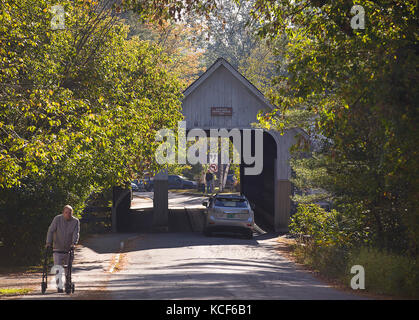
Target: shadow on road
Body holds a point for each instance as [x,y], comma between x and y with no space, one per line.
[219,277]
[111,243]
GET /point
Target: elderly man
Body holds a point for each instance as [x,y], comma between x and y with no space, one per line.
[64,234]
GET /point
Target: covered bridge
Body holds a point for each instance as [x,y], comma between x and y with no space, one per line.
[223,98]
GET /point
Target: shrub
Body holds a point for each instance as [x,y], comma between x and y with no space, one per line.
[387,273]
[335,244]
[25,214]
[330,261]
[319,226]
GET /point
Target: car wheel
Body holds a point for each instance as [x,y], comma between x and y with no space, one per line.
[67,288]
[43,287]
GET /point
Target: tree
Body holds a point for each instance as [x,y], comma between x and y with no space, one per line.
[228,32]
[175,40]
[356,90]
[262,65]
[79,109]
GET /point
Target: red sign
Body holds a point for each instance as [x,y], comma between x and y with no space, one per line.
[213,168]
[221,111]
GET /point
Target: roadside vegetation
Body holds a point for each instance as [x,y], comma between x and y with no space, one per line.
[79,109]
[355,93]
[329,245]
[14,292]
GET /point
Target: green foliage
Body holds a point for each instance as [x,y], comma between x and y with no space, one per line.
[79,109]
[163,10]
[176,41]
[14,292]
[64,99]
[261,66]
[386,273]
[355,93]
[326,229]
[332,245]
[228,32]
[330,261]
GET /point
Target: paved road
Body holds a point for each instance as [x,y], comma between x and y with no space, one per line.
[189,266]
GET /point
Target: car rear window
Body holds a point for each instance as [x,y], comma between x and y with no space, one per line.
[232,203]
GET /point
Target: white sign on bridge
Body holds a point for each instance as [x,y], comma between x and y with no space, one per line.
[213,158]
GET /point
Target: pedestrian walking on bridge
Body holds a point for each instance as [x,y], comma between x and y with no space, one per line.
[209,179]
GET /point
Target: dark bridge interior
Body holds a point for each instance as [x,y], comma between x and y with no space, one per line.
[259,189]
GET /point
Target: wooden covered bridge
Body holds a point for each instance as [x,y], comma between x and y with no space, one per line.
[222,98]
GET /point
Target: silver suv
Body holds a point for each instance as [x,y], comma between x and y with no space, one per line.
[229,213]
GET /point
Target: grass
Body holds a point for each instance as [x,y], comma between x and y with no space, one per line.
[328,261]
[385,273]
[388,273]
[14,292]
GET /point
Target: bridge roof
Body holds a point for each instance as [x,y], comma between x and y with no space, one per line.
[223,62]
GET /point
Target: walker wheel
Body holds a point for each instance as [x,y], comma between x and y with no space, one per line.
[67,288]
[43,287]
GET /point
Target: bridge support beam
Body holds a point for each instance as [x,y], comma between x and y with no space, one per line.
[121,203]
[282,205]
[161,202]
[283,186]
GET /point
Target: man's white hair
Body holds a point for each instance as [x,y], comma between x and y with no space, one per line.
[68,207]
